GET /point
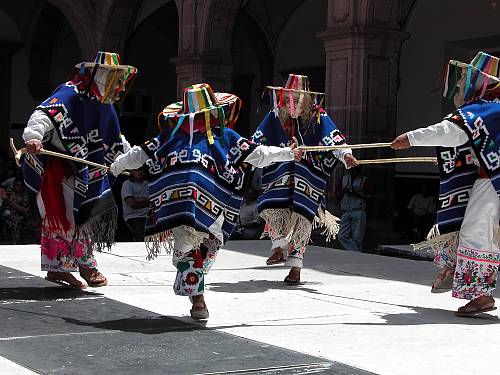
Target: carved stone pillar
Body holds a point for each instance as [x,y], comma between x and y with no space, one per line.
[362,44]
[214,70]
[205,43]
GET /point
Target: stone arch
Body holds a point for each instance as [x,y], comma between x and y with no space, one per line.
[49,24]
[383,13]
[254,59]
[259,41]
[81,16]
[8,29]
[217,19]
[303,52]
[150,47]
[117,23]
[11,40]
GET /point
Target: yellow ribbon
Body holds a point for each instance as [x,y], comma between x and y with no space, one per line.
[210,136]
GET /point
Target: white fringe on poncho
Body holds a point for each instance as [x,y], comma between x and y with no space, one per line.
[296,228]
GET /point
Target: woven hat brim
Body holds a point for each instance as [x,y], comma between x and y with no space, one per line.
[223,99]
[461,64]
[293,90]
[121,67]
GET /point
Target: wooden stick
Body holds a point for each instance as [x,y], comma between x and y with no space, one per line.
[22,151]
[343,147]
[421,159]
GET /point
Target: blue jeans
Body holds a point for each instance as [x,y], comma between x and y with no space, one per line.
[352,230]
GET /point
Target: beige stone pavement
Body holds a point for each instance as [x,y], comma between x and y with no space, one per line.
[369,311]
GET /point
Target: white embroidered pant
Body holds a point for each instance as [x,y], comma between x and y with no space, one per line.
[61,252]
[193,256]
[290,233]
[477,257]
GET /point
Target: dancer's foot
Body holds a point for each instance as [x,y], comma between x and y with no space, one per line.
[277,257]
[293,277]
[66,279]
[476,306]
[93,277]
[199,310]
[444,280]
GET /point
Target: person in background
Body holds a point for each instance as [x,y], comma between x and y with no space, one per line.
[135,202]
[422,210]
[19,203]
[353,196]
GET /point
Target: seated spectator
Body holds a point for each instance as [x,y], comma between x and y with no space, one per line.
[250,224]
[10,176]
[422,210]
[135,202]
[19,204]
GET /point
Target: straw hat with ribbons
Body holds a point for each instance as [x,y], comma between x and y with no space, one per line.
[480,77]
[201,110]
[110,77]
[296,86]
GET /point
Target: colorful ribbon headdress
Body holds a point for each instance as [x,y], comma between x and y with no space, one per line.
[120,75]
[201,109]
[480,77]
[295,83]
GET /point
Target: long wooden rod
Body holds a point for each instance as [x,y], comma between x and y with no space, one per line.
[22,151]
[343,147]
[420,159]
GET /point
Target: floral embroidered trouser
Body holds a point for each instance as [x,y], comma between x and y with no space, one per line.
[476,259]
[289,231]
[194,255]
[63,253]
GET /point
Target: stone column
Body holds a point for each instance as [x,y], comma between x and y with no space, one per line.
[362,44]
[6,51]
[214,70]
[205,36]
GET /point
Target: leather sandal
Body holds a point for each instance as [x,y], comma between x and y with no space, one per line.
[198,313]
[474,307]
[65,279]
[275,259]
[93,277]
[292,280]
[444,281]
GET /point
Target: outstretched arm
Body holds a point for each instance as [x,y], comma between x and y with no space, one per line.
[346,157]
[132,159]
[263,156]
[445,134]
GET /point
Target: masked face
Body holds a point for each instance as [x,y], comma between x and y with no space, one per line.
[110,83]
[458,98]
[302,104]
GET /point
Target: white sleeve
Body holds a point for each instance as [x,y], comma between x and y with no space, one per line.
[132,159]
[263,156]
[445,134]
[126,145]
[340,154]
[39,127]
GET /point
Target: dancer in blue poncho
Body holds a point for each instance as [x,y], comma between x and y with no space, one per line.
[464,237]
[293,193]
[75,201]
[199,168]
